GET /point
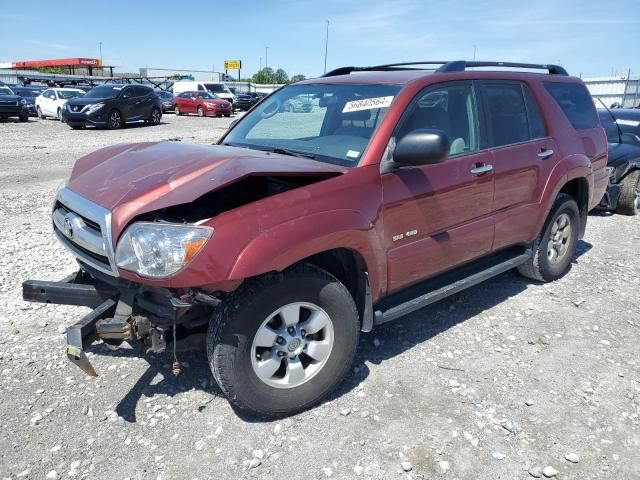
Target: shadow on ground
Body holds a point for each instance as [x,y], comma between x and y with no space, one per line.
[419,327]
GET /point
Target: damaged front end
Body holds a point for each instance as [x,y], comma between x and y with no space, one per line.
[125,311]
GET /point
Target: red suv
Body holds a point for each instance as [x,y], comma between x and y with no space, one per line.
[202,103]
[295,233]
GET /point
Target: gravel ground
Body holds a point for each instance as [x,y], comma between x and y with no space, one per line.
[508,380]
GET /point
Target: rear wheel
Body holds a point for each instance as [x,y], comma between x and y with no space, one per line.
[59,115]
[40,115]
[114,121]
[629,201]
[555,246]
[200,112]
[155,117]
[283,342]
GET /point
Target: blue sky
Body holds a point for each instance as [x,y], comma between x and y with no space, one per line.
[594,38]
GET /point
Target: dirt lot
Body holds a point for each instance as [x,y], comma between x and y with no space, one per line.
[498,382]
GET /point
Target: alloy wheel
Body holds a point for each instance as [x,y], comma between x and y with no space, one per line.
[559,239]
[115,120]
[155,116]
[292,345]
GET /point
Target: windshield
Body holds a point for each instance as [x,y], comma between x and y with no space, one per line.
[216,88]
[163,94]
[67,94]
[210,96]
[331,123]
[5,91]
[104,91]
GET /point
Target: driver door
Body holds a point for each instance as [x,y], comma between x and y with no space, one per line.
[437,216]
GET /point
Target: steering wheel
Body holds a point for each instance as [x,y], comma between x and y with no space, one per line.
[271,109]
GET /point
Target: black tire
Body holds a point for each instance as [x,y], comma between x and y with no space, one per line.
[40,115]
[156,116]
[200,111]
[231,335]
[114,120]
[176,110]
[540,266]
[59,114]
[76,127]
[629,200]
[24,117]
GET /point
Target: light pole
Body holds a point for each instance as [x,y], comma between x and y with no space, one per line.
[326,46]
[100,48]
[266,57]
[474,52]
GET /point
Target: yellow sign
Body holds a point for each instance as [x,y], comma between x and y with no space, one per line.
[232,64]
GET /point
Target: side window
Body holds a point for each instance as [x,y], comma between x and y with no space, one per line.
[536,122]
[201,88]
[506,113]
[449,108]
[127,92]
[576,103]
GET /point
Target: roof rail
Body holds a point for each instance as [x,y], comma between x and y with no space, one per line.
[447,66]
[462,65]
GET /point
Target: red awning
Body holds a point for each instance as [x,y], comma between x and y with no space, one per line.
[59,62]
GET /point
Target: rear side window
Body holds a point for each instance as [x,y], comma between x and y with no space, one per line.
[536,123]
[576,103]
[506,113]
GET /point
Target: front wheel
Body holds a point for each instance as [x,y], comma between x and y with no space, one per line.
[177,111]
[40,115]
[59,114]
[200,112]
[24,117]
[284,341]
[555,246]
[629,201]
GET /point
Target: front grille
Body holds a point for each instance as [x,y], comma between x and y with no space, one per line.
[85,229]
[8,103]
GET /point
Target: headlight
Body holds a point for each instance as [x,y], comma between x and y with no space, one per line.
[23,101]
[156,250]
[95,107]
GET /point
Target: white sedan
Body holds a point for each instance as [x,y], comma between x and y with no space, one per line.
[50,103]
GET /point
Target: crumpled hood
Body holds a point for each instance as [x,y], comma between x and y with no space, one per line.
[131,179]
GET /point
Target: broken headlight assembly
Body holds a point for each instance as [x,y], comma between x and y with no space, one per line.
[157,250]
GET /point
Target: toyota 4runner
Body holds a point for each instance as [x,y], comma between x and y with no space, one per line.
[280,244]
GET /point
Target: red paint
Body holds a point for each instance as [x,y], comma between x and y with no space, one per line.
[209,106]
[457,216]
[59,62]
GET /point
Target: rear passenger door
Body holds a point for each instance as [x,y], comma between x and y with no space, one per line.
[522,155]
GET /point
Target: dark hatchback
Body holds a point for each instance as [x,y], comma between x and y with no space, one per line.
[623,133]
[29,94]
[113,106]
[12,105]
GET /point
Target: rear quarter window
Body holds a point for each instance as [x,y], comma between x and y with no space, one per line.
[576,103]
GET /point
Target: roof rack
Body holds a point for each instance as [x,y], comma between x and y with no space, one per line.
[448,66]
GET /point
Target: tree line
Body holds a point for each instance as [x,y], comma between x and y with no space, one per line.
[268,75]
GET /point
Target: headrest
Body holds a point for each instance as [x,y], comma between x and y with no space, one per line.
[358,115]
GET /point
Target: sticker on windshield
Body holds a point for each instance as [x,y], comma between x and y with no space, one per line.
[353,154]
[628,123]
[367,104]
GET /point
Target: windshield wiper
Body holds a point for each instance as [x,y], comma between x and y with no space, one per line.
[293,153]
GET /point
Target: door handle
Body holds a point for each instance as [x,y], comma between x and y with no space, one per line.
[480,169]
[545,153]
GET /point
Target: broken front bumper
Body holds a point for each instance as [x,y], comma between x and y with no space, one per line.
[77,289]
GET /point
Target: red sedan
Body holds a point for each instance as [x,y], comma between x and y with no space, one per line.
[202,103]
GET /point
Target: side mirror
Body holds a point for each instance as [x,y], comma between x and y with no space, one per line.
[422,147]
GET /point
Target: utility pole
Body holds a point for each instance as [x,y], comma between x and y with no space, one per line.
[100,49]
[326,46]
[474,52]
[260,63]
[266,57]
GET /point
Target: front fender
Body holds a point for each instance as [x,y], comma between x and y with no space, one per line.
[290,242]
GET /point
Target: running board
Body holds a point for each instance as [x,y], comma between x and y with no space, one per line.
[396,311]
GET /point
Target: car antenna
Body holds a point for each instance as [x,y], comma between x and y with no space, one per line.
[615,120]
